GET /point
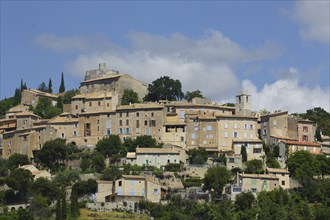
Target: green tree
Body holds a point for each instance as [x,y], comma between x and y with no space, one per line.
[62,87]
[244,153]
[194,94]
[302,166]
[110,146]
[20,180]
[52,154]
[129,96]
[254,166]
[215,180]
[46,188]
[50,86]
[67,97]
[58,211]
[97,162]
[17,96]
[7,103]
[111,173]
[42,87]
[16,160]
[59,103]
[74,204]
[63,204]
[272,163]
[66,178]
[197,156]
[276,151]
[85,163]
[320,117]
[324,164]
[40,208]
[45,109]
[244,201]
[164,88]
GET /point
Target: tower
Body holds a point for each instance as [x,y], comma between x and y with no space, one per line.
[243,103]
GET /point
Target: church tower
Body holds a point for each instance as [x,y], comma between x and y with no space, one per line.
[243,104]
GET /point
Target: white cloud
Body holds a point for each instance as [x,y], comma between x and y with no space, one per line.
[313,18]
[205,64]
[287,94]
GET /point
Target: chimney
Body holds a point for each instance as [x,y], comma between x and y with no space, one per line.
[102,66]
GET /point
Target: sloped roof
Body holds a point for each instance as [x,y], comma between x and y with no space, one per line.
[140,150]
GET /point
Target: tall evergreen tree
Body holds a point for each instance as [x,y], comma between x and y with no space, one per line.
[62,87]
[58,212]
[24,86]
[74,203]
[63,204]
[50,89]
[244,153]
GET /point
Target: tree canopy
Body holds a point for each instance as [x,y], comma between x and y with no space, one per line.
[42,87]
[216,178]
[164,88]
[254,166]
[17,160]
[321,117]
[197,156]
[145,141]
[193,94]
[129,96]
[45,109]
[110,146]
[67,97]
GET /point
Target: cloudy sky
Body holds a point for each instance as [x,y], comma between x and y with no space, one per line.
[278,51]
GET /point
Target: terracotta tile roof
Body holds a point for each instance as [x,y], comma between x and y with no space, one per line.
[247,140]
[46,94]
[283,137]
[277,170]
[140,106]
[275,114]
[259,176]
[131,155]
[63,119]
[140,150]
[27,114]
[302,143]
[102,78]
[94,95]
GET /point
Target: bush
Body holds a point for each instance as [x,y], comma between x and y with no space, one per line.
[192,182]
[173,167]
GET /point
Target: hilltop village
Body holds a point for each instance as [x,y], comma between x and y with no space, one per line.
[133,155]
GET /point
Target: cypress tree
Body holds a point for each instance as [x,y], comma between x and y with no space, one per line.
[63,204]
[243,153]
[50,89]
[62,87]
[58,209]
[24,86]
[74,203]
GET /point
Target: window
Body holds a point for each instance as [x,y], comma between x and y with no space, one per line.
[119,183]
[283,182]
[120,123]
[137,123]
[74,133]
[254,190]
[274,122]
[226,135]
[305,129]
[152,123]
[148,131]
[127,122]
[251,127]
[108,132]
[75,125]
[76,106]
[235,135]
[98,121]
[90,103]
[127,114]
[168,161]
[245,135]
[237,189]
[209,128]
[235,125]
[152,114]
[264,132]
[128,131]
[182,138]
[120,114]
[226,125]
[156,191]
[145,123]
[108,104]
[305,138]
[193,136]
[257,150]
[182,114]
[120,131]
[99,103]
[251,136]
[231,160]
[137,114]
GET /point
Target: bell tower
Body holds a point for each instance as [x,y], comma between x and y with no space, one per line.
[243,103]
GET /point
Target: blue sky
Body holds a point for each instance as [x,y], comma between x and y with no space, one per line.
[278,51]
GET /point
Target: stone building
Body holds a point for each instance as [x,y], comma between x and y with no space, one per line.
[104,80]
[31,97]
[157,157]
[283,176]
[129,188]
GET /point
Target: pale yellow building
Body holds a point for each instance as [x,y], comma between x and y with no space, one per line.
[283,176]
